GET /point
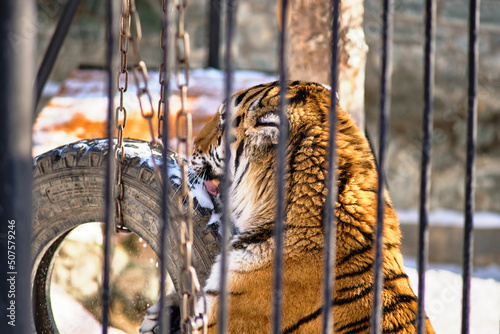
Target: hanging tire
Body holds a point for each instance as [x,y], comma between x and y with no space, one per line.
[68,191]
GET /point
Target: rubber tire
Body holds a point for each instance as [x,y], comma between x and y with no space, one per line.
[68,190]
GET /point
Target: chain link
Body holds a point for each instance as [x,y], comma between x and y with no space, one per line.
[121,117]
[163,79]
[192,321]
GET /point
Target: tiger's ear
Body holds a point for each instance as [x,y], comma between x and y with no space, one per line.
[265,132]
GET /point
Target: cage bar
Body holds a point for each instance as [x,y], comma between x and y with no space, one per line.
[110,163]
[17,71]
[385,93]
[214,33]
[279,227]
[469,169]
[425,172]
[331,197]
[163,320]
[226,182]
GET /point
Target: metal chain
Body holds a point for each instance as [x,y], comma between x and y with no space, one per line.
[192,321]
[163,79]
[121,117]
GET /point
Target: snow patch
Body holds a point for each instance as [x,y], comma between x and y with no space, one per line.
[451,218]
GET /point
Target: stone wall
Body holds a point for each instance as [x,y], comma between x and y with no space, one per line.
[256,48]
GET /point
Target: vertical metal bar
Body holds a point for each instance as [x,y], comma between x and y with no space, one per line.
[54,47]
[110,163]
[214,34]
[226,182]
[469,173]
[387,27]
[330,230]
[430,10]
[17,69]
[163,324]
[279,227]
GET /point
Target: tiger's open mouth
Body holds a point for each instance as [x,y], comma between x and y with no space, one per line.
[212,186]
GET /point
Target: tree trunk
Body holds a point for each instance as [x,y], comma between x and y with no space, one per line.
[310,49]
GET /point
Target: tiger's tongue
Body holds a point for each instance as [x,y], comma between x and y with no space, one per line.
[211,187]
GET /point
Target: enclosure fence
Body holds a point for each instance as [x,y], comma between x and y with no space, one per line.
[19,93]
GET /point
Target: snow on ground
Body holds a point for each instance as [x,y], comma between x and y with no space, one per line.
[444,295]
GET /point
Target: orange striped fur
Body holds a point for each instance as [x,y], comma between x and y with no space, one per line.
[253,197]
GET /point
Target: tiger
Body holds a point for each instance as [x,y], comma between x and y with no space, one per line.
[253,193]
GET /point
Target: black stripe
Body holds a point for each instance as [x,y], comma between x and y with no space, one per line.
[318,312]
[240,97]
[395,277]
[358,330]
[252,97]
[266,93]
[359,251]
[254,236]
[217,161]
[356,286]
[215,293]
[354,324]
[212,292]
[259,123]
[400,326]
[236,121]
[238,182]
[361,271]
[256,90]
[239,152]
[344,301]
[397,300]
[300,96]
[259,91]
[303,321]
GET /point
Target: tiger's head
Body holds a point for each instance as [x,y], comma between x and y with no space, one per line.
[255,131]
